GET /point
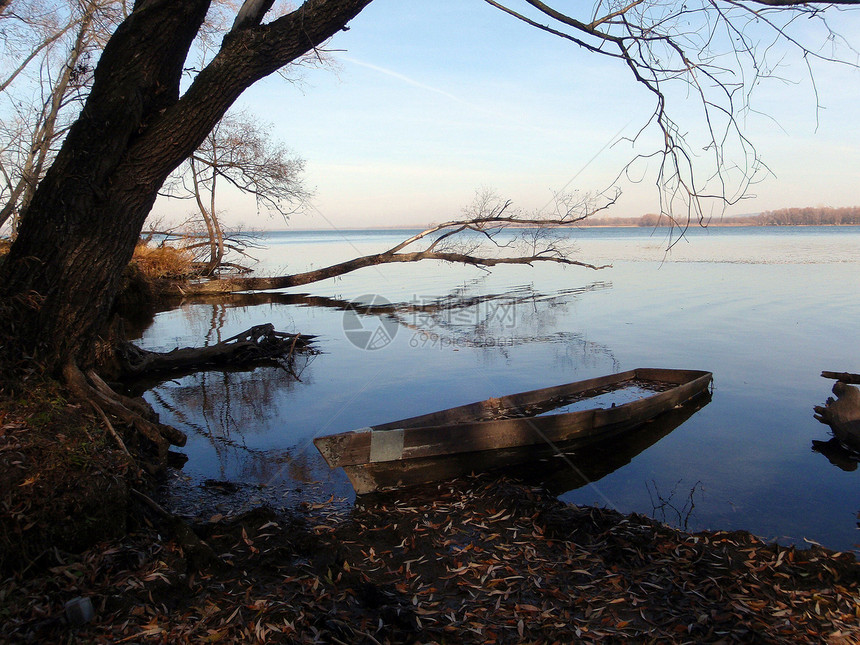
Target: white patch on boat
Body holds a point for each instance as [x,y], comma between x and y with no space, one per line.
[386,445]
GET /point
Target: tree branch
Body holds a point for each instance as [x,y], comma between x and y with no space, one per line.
[532,245]
[663,43]
[251,13]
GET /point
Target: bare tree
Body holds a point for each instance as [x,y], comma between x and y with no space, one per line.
[55,45]
[240,151]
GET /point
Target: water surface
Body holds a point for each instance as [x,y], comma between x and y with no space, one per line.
[764,309]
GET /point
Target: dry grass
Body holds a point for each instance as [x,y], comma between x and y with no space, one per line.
[157,262]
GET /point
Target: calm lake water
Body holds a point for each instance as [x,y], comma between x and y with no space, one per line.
[764,309]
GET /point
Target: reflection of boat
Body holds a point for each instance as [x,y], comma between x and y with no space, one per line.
[563,470]
[509,430]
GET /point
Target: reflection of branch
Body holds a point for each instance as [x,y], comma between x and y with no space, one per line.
[449,303]
[438,313]
[215,440]
[662,504]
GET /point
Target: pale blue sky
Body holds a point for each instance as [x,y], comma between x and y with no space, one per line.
[435,99]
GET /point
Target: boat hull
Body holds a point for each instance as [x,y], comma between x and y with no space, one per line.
[447,443]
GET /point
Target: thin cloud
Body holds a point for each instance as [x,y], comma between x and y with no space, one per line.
[414,83]
[499,119]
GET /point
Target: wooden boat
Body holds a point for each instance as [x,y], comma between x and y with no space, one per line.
[507,430]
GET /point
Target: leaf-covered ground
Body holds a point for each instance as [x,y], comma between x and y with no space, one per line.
[477,561]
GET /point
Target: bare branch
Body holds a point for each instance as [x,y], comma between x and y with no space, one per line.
[529,241]
[47,42]
[251,13]
[717,49]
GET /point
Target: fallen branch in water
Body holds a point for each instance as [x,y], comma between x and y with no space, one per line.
[260,344]
[475,241]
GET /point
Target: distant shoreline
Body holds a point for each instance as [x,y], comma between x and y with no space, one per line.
[710,225]
[419,227]
[805,216]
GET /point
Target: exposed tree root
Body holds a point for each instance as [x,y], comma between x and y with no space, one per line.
[258,345]
[111,430]
[134,413]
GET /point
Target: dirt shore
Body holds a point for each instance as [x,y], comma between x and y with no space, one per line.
[475,560]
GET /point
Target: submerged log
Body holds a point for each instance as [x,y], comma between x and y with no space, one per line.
[842,414]
[260,344]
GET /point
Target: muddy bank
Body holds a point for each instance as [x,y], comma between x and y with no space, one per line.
[64,482]
[476,560]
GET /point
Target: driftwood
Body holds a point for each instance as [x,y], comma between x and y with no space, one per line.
[258,345]
[842,414]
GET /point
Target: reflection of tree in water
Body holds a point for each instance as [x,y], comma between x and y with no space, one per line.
[275,467]
[465,317]
[227,404]
[226,407]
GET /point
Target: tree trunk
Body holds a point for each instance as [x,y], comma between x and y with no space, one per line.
[213,231]
[79,230]
[61,276]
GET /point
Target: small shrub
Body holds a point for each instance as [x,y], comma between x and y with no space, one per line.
[157,262]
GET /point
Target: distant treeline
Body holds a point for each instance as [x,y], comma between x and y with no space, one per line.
[804,217]
[818,216]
